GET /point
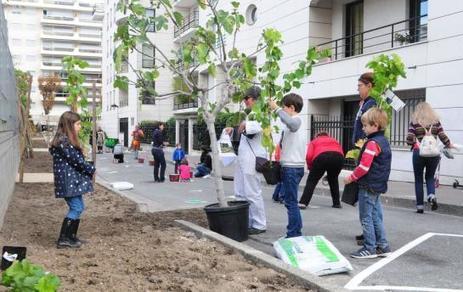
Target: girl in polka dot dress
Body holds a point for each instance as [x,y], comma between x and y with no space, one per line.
[72,176]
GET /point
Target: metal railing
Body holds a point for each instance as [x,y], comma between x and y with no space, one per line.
[169,134]
[190,103]
[190,21]
[66,18]
[389,36]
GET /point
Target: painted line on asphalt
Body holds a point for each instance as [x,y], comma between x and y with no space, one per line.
[405,288]
[354,283]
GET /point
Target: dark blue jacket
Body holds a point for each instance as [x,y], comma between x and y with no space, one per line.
[157,138]
[378,175]
[358,127]
[178,155]
[72,174]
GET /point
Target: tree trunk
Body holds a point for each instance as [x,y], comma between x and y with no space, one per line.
[216,164]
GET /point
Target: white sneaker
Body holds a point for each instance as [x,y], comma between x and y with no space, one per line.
[207,176]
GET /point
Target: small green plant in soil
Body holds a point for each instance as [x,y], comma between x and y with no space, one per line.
[23,276]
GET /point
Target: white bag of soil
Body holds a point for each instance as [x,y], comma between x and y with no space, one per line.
[122,185]
[314,254]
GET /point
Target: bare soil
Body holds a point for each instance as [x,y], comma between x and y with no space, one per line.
[127,250]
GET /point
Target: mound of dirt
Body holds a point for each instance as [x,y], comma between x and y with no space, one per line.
[128,250]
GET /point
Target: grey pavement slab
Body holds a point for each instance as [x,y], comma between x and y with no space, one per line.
[339,226]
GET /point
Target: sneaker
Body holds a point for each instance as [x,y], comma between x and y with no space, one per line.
[364,253]
[337,206]
[302,206]
[254,231]
[420,211]
[383,252]
[207,176]
[359,239]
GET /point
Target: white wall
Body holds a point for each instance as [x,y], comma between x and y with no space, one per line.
[435,64]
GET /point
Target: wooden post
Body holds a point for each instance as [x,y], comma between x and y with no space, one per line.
[94,148]
[25,144]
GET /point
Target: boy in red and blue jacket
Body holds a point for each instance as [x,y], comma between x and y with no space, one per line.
[372,174]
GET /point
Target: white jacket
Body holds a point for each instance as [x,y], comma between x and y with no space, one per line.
[246,157]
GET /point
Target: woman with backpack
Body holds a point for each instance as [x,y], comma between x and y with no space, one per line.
[423,131]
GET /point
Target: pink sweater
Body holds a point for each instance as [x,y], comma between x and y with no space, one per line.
[184,171]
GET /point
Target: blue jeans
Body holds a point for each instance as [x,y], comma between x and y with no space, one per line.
[278,194]
[291,177]
[371,218]
[76,207]
[202,170]
[419,164]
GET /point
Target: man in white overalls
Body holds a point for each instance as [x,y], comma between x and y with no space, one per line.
[247,181]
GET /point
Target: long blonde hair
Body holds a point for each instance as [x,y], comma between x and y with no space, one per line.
[425,115]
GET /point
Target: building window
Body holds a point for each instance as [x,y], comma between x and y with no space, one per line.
[150,13]
[418,20]
[147,57]
[147,93]
[354,29]
[251,14]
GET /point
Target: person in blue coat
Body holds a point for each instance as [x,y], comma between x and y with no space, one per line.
[72,176]
[177,156]
[364,86]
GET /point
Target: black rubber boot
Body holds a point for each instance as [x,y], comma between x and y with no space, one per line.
[73,234]
[65,240]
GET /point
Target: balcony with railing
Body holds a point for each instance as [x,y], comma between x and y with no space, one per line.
[190,21]
[381,38]
[57,17]
[59,2]
[185,102]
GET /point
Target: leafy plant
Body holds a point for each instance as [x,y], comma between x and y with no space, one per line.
[23,276]
[387,71]
[22,85]
[74,82]
[48,85]
[207,50]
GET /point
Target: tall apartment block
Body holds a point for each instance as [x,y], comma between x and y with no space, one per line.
[42,32]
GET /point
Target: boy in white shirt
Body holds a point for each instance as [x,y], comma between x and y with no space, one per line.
[293,144]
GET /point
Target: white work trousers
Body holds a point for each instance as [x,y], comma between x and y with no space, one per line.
[248,187]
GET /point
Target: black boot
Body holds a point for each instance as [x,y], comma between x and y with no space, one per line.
[64,236]
[73,234]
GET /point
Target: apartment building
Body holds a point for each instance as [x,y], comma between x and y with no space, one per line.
[42,32]
[123,109]
[426,34]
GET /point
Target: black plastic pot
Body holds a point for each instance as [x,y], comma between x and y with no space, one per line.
[19,250]
[231,221]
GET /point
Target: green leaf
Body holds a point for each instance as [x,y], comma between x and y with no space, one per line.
[202,4]
[178,18]
[121,82]
[235,4]
[212,70]
[138,9]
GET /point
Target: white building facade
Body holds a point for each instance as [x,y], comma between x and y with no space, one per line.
[123,109]
[426,34]
[42,32]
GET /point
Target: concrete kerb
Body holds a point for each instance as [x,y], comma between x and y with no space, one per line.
[303,278]
[143,205]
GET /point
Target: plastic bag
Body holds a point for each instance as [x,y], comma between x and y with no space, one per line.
[314,254]
[225,144]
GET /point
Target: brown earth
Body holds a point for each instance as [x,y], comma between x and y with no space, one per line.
[128,250]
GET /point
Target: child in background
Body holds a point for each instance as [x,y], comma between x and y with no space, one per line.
[178,156]
[278,193]
[372,174]
[184,170]
[204,168]
[118,153]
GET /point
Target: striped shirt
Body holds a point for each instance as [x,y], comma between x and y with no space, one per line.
[372,150]
[416,132]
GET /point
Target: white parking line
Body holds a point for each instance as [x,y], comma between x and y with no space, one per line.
[360,277]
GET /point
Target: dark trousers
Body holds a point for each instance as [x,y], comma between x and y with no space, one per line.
[419,166]
[159,161]
[332,163]
[177,164]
